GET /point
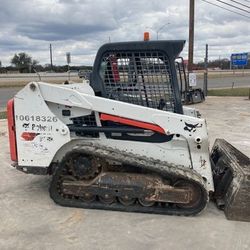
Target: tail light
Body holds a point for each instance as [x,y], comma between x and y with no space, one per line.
[12,131]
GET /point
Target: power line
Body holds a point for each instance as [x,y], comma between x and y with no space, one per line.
[233,6]
[226,9]
[242,4]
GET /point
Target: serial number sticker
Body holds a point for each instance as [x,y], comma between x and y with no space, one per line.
[36,118]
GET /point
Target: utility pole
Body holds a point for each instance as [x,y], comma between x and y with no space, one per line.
[68,56]
[191,36]
[205,73]
[51,64]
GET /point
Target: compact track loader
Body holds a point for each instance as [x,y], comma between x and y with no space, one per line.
[123,141]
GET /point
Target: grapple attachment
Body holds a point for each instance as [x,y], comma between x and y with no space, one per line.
[231,172]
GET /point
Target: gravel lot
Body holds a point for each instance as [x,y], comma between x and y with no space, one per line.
[30,220]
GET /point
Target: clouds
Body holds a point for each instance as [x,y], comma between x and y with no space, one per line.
[82,26]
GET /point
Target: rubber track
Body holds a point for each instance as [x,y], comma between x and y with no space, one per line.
[160,167]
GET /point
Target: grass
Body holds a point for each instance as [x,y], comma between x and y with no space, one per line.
[7,85]
[229,92]
[21,84]
[3,115]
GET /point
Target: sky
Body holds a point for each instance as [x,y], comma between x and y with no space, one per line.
[82,26]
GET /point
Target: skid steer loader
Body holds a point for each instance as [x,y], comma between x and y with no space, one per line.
[123,141]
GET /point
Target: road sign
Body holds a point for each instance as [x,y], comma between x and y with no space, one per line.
[239,59]
[192,79]
[68,57]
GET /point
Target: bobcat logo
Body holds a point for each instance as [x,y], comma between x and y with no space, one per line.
[26,125]
[191,127]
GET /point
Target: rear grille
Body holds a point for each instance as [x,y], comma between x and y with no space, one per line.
[85,121]
[142,78]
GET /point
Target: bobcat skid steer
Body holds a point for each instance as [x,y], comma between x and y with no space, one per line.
[123,141]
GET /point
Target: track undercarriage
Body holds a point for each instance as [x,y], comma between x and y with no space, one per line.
[101,178]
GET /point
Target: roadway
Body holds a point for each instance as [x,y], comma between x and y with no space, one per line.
[226,82]
[6,94]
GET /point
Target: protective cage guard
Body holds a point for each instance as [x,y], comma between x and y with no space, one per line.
[141,73]
[232,180]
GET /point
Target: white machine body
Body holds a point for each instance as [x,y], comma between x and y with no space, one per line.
[43,135]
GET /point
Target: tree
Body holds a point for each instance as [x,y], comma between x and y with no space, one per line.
[23,62]
[223,63]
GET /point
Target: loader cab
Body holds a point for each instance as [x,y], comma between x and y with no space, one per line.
[141,73]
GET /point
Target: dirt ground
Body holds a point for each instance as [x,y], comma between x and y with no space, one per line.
[29,219]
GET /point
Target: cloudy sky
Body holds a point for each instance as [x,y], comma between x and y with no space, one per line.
[82,26]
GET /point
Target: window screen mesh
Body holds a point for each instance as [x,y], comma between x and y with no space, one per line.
[142,78]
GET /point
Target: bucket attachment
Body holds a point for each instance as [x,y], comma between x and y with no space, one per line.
[231,173]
